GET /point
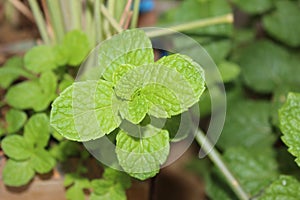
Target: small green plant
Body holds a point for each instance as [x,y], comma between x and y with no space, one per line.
[131,87]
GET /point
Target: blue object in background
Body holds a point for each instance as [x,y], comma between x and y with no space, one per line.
[146,6]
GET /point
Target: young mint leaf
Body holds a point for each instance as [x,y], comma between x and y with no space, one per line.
[254,170]
[37,130]
[42,92]
[282,23]
[42,161]
[106,190]
[285,187]
[15,120]
[261,58]
[16,147]
[122,49]
[247,124]
[75,47]
[254,6]
[40,59]
[142,156]
[11,71]
[191,71]
[78,184]
[75,192]
[84,111]
[289,116]
[17,173]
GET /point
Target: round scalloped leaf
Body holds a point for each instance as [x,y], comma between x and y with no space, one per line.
[16,147]
[42,161]
[17,173]
[142,156]
[84,111]
[289,117]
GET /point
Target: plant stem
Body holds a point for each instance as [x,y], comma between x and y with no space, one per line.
[192,25]
[135,16]
[56,19]
[110,19]
[40,21]
[216,158]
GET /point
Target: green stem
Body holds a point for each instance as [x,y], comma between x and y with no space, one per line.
[110,19]
[40,21]
[216,158]
[192,25]
[56,19]
[135,16]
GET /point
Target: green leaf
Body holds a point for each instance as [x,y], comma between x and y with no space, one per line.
[117,177]
[254,6]
[42,161]
[16,147]
[75,192]
[247,124]
[85,111]
[42,92]
[75,47]
[285,187]
[142,156]
[40,59]
[122,49]
[254,171]
[11,71]
[191,10]
[229,71]
[66,82]
[265,66]
[17,173]
[218,50]
[15,120]
[107,190]
[289,117]
[282,23]
[155,83]
[37,130]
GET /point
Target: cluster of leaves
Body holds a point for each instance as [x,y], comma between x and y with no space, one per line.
[262,56]
[131,88]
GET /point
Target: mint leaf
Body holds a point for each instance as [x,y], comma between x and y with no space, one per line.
[254,170]
[11,71]
[142,156]
[75,47]
[254,6]
[261,58]
[16,147]
[229,71]
[42,161]
[84,111]
[282,23]
[66,82]
[75,192]
[289,116]
[15,120]
[78,184]
[40,59]
[37,130]
[285,187]
[107,190]
[247,124]
[117,177]
[122,49]
[42,92]
[17,173]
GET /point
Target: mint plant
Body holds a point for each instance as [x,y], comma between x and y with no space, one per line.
[131,87]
